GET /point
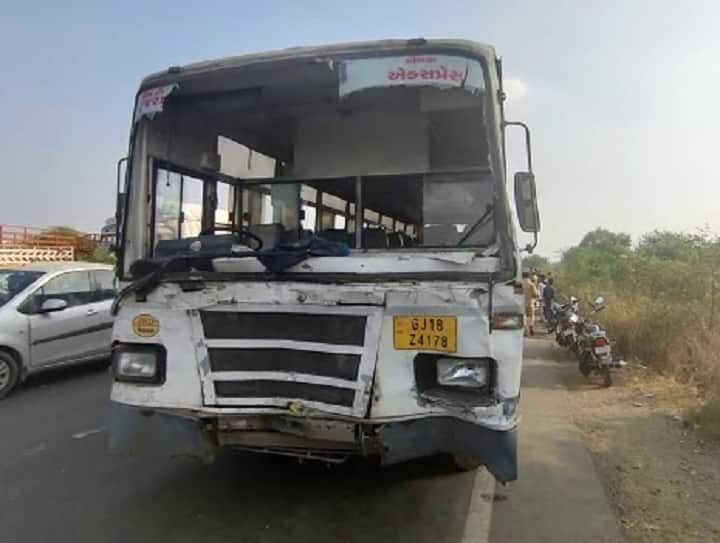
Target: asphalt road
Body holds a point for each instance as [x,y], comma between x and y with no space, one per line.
[58,483]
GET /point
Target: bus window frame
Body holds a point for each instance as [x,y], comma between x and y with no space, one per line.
[240,183]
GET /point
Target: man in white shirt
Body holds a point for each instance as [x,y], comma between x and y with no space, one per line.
[540,289]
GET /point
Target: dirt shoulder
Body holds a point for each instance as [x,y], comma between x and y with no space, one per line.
[660,472]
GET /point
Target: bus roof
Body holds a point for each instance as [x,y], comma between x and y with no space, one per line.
[417,46]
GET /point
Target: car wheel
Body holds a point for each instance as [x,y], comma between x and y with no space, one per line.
[465,462]
[9,373]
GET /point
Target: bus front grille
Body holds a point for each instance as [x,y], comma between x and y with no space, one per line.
[316,327]
[323,364]
[285,389]
[278,358]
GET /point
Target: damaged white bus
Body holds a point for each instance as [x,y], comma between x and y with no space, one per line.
[320,259]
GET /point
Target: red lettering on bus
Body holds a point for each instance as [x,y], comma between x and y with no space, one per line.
[440,73]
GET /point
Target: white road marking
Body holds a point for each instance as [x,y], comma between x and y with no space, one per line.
[34,450]
[477,523]
[84,434]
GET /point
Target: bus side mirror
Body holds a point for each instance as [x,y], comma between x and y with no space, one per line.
[526,202]
[119,202]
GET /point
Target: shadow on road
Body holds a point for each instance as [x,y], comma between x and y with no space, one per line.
[541,355]
[247,497]
[58,375]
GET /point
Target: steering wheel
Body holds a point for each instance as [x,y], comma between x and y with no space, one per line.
[242,233]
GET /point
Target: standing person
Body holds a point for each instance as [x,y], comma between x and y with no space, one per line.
[548,297]
[531,295]
[541,288]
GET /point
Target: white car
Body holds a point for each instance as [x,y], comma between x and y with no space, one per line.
[53,314]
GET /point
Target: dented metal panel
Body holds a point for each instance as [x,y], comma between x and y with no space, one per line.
[368,262]
[385,389]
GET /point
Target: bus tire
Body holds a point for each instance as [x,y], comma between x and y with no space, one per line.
[465,462]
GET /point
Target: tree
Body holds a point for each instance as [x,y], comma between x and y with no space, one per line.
[601,258]
[102,255]
[667,245]
[535,261]
[603,239]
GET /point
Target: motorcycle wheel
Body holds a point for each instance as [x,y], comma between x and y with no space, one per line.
[585,364]
[607,377]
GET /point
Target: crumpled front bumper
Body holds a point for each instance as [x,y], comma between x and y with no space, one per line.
[141,432]
[446,435]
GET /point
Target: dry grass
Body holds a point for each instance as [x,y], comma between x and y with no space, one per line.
[670,333]
[674,341]
[663,301]
[707,417]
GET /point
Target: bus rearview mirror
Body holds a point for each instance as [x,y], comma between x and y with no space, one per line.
[526,202]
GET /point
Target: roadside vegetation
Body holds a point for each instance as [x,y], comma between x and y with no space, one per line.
[663,304]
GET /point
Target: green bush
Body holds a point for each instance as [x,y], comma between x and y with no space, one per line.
[662,304]
[102,255]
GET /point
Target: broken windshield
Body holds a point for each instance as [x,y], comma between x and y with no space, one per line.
[380,153]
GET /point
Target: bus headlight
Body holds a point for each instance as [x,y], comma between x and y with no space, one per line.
[466,373]
[139,363]
[508,321]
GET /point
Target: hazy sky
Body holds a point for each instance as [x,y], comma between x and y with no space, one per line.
[622,96]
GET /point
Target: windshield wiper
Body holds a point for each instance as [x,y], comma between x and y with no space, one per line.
[480,222]
[281,257]
[155,270]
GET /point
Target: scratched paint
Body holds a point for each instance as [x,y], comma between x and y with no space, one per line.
[441,261]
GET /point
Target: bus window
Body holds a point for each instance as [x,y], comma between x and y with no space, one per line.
[178,202]
[167,205]
[371,217]
[266,210]
[192,206]
[291,210]
[308,217]
[431,210]
[224,212]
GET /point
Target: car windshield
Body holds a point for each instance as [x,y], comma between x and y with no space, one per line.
[12,282]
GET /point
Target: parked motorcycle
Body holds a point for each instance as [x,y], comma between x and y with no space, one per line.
[594,351]
[567,317]
[552,316]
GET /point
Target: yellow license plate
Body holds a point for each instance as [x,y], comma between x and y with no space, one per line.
[425,333]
